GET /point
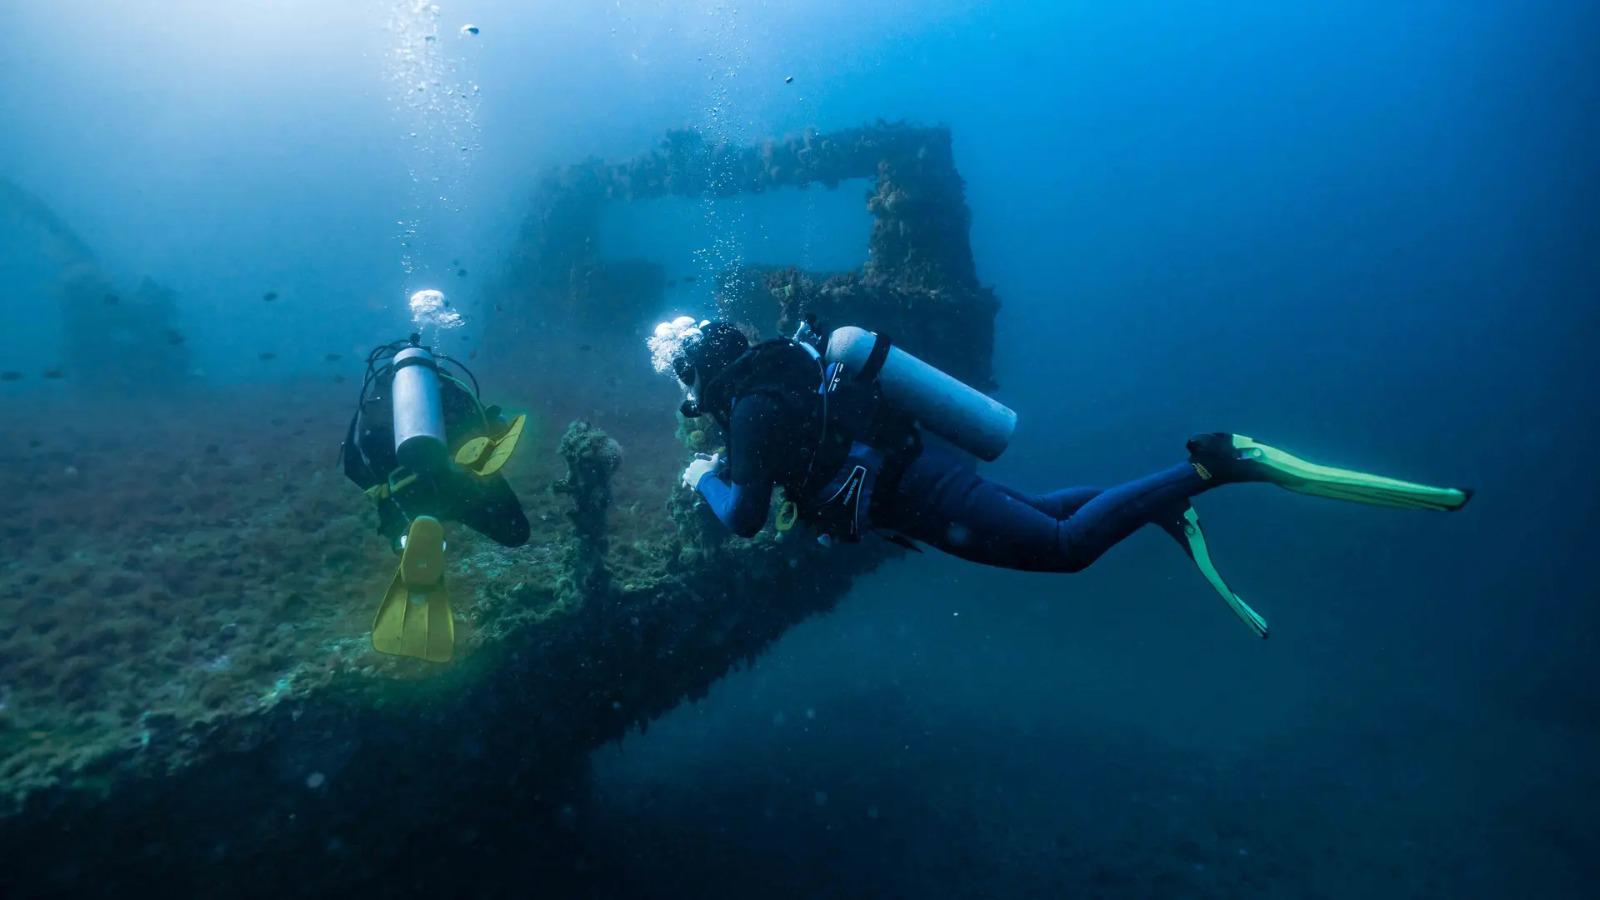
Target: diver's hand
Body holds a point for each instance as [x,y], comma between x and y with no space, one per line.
[702,466]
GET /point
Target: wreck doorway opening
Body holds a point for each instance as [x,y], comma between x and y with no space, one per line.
[700,243]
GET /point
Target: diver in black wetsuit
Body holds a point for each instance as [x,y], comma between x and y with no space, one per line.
[481,500]
[427,451]
[851,461]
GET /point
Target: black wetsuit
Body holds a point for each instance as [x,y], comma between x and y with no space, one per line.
[486,505]
[940,499]
[936,496]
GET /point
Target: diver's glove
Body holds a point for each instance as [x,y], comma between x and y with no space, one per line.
[702,466]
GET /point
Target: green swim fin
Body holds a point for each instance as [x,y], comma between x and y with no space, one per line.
[1187,532]
[1235,457]
[414,618]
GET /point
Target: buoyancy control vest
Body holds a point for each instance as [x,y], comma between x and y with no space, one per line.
[854,438]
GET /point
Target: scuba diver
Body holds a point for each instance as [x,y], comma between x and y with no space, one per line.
[425,449]
[838,424]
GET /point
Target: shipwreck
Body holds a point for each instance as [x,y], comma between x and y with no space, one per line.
[190,697]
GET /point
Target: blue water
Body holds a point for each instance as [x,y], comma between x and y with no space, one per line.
[1369,230]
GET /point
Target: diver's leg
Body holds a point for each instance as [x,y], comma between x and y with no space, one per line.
[392,522]
[1057,504]
[1162,507]
[489,507]
[942,501]
[1116,512]
[1177,521]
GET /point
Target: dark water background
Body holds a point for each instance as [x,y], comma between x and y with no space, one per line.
[1366,231]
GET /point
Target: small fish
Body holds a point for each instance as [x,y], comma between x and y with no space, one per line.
[268,356]
[10,376]
[174,337]
[332,357]
[461,273]
[585,347]
[789,80]
[472,355]
[688,279]
[270,296]
[112,299]
[338,379]
[54,373]
[468,29]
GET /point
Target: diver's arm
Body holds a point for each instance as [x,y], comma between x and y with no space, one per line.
[741,492]
[741,507]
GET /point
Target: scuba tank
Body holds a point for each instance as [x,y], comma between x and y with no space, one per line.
[419,435]
[944,405]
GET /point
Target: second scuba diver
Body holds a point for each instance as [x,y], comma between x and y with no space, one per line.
[838,424]
[425,449]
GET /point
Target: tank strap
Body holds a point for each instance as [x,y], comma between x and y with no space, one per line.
[419,361]
[875,357]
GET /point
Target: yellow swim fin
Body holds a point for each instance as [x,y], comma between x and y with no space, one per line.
[473,452]
[503,447]
[486,456]
[414,618]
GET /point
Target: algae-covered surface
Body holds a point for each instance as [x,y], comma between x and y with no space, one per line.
[223,715]
[229,567]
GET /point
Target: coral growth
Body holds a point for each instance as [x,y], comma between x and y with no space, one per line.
[592,457]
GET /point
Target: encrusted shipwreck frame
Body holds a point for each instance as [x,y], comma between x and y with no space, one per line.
[918,282]
[615,613]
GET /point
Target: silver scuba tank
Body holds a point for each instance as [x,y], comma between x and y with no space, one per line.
[944,405]
[419,437]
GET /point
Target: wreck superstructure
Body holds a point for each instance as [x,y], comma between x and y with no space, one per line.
[917,281]
[629,600]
